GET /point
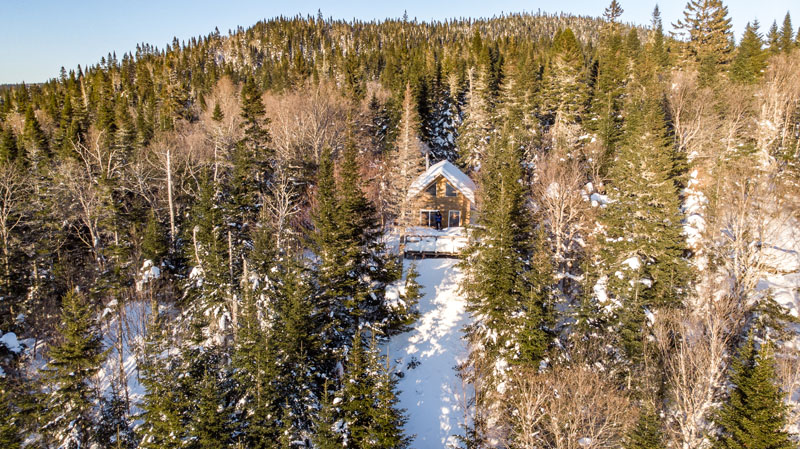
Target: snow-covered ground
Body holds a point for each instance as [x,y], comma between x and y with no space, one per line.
[430,391]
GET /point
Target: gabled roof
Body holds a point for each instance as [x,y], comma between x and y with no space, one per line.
[451,173]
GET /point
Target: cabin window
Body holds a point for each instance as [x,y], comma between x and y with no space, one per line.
[449,190]
[454,219]
[427,218]
[432,189]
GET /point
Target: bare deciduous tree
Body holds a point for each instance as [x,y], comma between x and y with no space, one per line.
[568,407]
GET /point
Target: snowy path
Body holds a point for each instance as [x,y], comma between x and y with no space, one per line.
[430,392]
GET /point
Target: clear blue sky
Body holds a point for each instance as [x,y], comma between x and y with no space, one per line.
[38,37]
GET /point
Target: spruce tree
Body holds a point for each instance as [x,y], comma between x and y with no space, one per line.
[209,425]
[773,39]
[34,140]
[10,419]
[254,363]
[74,360]
[750,59]
[499,282]
[709,31]
[297,345]
[609,92]
[408,161]
[786,39]
[388,418]
[353,268]
[565,90]
[474,134]
[9,150]
[357,394]
[326,432]
[646,434]
[642,258]
[754,414]
[163,414]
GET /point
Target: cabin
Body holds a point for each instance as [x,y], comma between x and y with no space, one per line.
[444,188]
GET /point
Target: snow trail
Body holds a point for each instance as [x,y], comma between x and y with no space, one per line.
[430,391]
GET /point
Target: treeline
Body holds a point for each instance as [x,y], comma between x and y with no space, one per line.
[228,198]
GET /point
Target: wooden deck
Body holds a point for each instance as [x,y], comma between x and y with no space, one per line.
[432,244]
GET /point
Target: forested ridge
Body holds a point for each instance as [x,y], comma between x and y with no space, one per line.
[195,240]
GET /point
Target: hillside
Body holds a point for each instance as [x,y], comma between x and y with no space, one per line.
[199,245]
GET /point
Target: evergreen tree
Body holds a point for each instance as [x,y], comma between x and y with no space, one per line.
[75,359]
[643,252]
[754,414]
[474,134]
[353,268]
[113,430]
[709,30]
[773,39]
[209,427]
[388,418]
[610,85]
[659,49]
[163,408]
[254,366]
[786,36]
[34,140]
[297,345]
[750,59]
[499,282]
[647,432]
[9,151]
[326,431]
[565,89]
[408,161]
[10,419]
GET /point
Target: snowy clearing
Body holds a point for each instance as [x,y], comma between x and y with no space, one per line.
[430,391]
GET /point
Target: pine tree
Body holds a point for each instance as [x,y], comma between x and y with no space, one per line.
[786,36]
[709,31]
[74,361]
[754,414]
[647,432]
[750,59]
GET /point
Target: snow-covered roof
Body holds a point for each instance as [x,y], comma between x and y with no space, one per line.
[451,173]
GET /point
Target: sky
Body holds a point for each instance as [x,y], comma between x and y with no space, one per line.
[38,37]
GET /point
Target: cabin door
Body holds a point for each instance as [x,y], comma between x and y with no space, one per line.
[454,219]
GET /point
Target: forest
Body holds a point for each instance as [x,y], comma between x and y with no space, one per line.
[195,240]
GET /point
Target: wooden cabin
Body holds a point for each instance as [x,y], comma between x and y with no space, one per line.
[444,188]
